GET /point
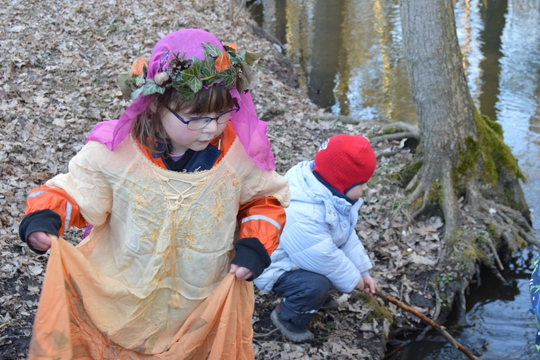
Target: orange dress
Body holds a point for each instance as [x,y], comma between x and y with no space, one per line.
[151,280]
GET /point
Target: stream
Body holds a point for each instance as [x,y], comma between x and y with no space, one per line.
[349,60]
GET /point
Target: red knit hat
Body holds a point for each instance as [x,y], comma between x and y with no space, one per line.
[344,161]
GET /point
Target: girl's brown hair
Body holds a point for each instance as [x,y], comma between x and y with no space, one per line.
[147,127]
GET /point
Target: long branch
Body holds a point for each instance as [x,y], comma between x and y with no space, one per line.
[428,321]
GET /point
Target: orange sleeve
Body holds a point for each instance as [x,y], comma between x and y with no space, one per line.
[263,219]
[60,202]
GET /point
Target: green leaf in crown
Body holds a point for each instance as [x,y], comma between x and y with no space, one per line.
[188,76]
[151,88]
[208,71]
[191,76]
[211,50]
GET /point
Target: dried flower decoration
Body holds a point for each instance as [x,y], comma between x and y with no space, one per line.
[138,67]
[188,76]
[161,78]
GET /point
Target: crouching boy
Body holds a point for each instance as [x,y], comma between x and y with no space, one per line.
[319,248]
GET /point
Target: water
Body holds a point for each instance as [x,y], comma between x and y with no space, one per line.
[350,63]
[498,325]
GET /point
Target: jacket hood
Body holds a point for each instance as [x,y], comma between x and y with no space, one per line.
[305,187]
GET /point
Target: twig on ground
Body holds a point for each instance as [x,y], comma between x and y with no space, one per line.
[428,321]
[257,336]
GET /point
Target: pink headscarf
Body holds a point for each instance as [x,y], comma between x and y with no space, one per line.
[250,130]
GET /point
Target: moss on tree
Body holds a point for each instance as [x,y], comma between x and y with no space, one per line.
[489,151]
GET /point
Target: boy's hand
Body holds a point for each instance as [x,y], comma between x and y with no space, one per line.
[360,285]
[40,240]
[241,272]
[370,286]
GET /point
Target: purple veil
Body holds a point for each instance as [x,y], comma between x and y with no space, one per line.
[250,130]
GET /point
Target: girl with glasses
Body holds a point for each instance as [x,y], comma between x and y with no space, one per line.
[161,191]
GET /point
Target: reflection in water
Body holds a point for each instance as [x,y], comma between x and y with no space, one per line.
[499,326]
[273,19]
[300,34]
[348,54]
[493,12]
[372,81]
[469,24]
[517,105]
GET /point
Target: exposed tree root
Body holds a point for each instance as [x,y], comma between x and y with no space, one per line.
[387,153]
[436,313]
[506,223]
[494,253]
[477,274]
[493,225]
[501,223]
[408,131]
[393,136]
[498,275]
[422,207]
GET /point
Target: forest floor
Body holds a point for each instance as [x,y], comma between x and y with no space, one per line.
[59,63]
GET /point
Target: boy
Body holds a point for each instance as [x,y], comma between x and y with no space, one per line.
[319,248]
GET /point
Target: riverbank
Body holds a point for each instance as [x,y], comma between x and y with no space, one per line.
[60,62]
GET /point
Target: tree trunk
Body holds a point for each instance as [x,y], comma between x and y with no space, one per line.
[462,152]
[439,89]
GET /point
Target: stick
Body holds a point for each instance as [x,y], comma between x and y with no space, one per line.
[428,321]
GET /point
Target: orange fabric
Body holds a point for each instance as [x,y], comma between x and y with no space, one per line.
[266,231]
[219,328]
[56,200]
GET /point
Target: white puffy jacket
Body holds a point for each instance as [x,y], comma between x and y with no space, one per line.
[319,235]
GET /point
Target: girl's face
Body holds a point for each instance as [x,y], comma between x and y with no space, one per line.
[183,138]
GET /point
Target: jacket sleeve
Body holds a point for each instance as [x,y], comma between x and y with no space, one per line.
[263,219]
[50,210]
[355,251]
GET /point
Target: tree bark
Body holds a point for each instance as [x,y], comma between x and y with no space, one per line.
[441,96]
[462,152]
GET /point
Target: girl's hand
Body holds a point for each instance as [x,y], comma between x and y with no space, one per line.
[241,272]
[40,240]
[370,286]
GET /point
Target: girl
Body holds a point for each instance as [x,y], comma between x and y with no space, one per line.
[159,274]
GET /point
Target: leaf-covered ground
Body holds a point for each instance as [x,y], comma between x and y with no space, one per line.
[59,61]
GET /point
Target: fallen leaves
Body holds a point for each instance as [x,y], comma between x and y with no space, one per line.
[60,62]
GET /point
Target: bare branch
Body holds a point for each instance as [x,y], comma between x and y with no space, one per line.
[428,321]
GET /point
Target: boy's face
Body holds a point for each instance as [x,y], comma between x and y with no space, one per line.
[355,192]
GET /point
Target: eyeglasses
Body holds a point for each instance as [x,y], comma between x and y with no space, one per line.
[198,123]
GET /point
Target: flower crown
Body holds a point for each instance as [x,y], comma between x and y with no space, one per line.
[188,76]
